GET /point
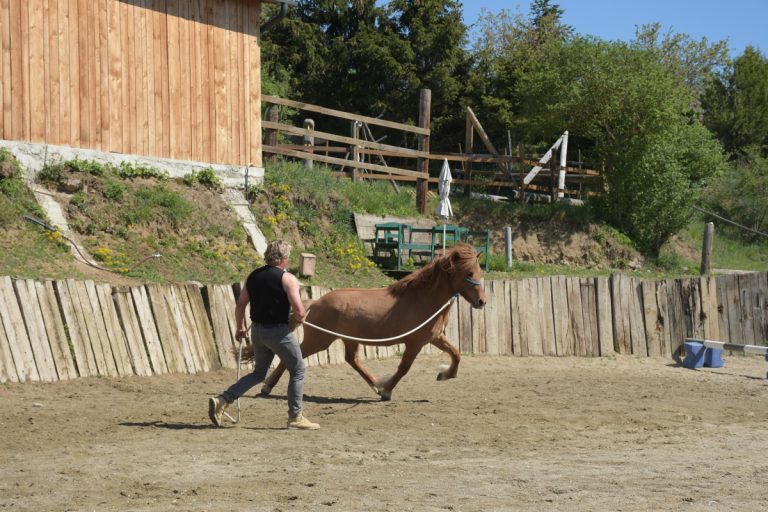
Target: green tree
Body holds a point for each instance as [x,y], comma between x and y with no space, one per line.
[437,35]
[371,58]
[636,115]
[736,103]
[693,61]
[506,47]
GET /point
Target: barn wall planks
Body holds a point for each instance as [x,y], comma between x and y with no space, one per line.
[58,330]
[162,78]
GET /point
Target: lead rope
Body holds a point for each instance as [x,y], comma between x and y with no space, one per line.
[239,360]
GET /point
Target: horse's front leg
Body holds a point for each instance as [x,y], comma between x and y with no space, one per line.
[443,344]
[385,386]
[352,356]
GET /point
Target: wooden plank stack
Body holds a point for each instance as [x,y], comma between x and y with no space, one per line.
[59,330]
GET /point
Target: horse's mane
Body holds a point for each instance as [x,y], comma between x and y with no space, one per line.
[461,258]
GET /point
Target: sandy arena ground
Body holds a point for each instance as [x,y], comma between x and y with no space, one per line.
[611,434]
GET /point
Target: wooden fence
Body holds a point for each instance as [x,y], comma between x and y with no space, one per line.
[163,78]
[357,144]
[361,156]
[58,330]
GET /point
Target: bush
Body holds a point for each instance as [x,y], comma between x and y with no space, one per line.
[115,190]
[741,194]
[15,198]
[207,178]
[130,171]
[9,167]
[656,181]
[51,173]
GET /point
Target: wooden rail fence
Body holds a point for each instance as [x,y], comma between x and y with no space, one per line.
[59,330]
[351,153]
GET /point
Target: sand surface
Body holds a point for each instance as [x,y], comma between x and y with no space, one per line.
[509,433]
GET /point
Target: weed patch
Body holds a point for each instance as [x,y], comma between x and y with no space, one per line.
[139,223]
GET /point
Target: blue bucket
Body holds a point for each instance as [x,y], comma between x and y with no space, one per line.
[714,358]
[694,354]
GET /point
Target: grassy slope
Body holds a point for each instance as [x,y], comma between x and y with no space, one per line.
[728,251]
[27,250]
[124,218]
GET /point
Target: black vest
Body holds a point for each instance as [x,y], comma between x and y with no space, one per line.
[269,302]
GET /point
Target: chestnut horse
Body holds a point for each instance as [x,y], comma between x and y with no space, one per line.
[379,316]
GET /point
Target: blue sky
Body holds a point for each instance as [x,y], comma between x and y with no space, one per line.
[742,22]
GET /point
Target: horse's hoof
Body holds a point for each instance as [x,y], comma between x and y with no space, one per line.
[440,376]
[385,395]
[266,390]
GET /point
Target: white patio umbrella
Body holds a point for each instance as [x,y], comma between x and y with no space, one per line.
[444,209]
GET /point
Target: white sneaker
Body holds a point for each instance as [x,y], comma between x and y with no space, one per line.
[302,423]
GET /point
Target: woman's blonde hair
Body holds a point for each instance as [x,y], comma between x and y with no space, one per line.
[276,251]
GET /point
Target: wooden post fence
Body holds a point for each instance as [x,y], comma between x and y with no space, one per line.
[58,330]
[425,106]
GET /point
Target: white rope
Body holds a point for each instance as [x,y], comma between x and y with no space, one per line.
[239,362]
[381,340]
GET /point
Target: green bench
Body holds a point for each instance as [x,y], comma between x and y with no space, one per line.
[481,241]
[391,240]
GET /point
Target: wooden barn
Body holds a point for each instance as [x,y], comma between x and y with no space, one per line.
[169,79]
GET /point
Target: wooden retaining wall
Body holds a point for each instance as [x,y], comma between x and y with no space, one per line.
[58,330]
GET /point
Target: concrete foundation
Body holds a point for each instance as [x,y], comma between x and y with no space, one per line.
[34,156]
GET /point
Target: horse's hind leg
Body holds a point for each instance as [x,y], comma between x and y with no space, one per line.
[272,379]
[386,386]
[443,344]
[352,356]
[314,341]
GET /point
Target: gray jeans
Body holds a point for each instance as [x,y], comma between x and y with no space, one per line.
[269,342]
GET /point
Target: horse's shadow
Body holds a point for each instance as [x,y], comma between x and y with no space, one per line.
[324,400]
[184,426]
[166,425]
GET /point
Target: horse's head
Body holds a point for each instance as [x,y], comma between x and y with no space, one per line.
[466,274]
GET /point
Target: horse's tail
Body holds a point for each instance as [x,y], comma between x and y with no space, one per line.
[248,355]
